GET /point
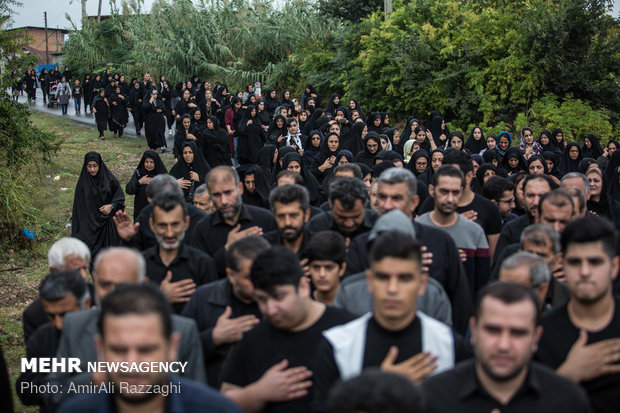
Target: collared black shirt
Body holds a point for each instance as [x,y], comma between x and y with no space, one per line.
[211,233]
[189,263]
[459,390]
[275,238]
[325,221]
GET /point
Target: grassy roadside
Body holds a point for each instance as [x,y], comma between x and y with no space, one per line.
[21,273]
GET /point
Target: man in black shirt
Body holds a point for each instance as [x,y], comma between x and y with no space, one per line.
[395,336]
[502,377]
[176,267]
[270,369]
[348,215]
[232,220]
[290,205]
[61,292]
[224,310]
[580,339]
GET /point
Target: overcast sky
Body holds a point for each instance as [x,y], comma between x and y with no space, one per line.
[31,12]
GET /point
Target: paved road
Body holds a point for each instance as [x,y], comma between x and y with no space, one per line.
[86,118]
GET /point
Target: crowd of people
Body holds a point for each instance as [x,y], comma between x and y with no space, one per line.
[302,255]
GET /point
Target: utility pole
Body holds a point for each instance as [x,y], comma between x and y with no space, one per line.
[47,53]
[387,5]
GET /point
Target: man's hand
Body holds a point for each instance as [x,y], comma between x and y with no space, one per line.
[470,215]
[179,291]
[463,255]
[236,234]
[230,330]
[280,384]
[185,183]
[416,368]
[427,260]
[587,362]
[124,226]
[306,267]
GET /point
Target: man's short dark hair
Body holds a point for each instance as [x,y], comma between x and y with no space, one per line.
[460,158]
[576,193]
[246,248]
[326,246]
[221,173]
[396,244]
[558,198]
[167,201]
[375,391]
[495,187]
[140,299]
[351,167]
[274,267]
[540,235]
[287,194]
[541,177]
[448,170]
[163,183]
[299,180]
[58,284]
[507,293]
[591,229]
[201,190]
[347,191]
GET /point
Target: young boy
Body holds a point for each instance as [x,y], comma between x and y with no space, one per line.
[326,254]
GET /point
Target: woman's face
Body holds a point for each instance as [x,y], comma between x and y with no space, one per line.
[456,143]
[261,106]
[528,138]
[332,143]
[237,105]
[396,137]
[544,139]
[92,167]
[210,124]
[284,112]
[279,123]
[443,125]
[250,183]
[386,120]
[149,164]
[414,125]
[336,100]
[421,164]
[384,144]
[477,134]
[188,154]
[595,184]
[588,143]
[364,132]
[272,95]
[303,116]
[573,153]
[315,140]
[351,105]
[292,128]
[436,160]
[611,147]
[186,94]
[550,164]
[537,168]
[122,78]
[372,146]
[186,123]
[487,174]
[136,86]
[476,166]
[335,128]
[343,159]
[513,162]
[252,99]
[421,136]
[503,143]
[197,115]
[240,94]
[253,112]
[294,166]
[118,90]
[377,122]
[559,137]
[287,95]
[491,142]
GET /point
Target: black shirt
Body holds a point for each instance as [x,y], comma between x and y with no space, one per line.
[543,390]
[489,217]
[511,234]
[265,346]
[325,221]
[275,238]
[559,335]
[211,233]
[190,263]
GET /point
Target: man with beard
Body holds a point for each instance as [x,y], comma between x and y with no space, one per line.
[448,183]
[502,377]
[290,205]
[232,220]
[225,310]
[580,338]
[136,327]
[176,267]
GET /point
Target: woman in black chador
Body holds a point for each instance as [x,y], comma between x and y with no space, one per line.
[251,137]
[154,121]
[149,167]
[100,107]
[190,170]
[216,143]
[135,106]
[120,116]
[98,196]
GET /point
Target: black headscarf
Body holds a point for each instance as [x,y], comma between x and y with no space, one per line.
[566,163]
[359,110]
[378,169]
[277,168]
[475,146]
[310,181]
[140,200]
[551,146]
[216,146]
[331,105]
[559,145]
[420,153]
[260,197]
[436,131]
[160,168]
[595,150]
[585,164]
[181,169]
[88,224]
[273,133]
[310,151]
[265,159]
[538,158]
[394,156]
[514,152]
[366,156]
[555,158]
[354,142]
[485,166]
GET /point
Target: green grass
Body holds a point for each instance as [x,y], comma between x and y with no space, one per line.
[53,211]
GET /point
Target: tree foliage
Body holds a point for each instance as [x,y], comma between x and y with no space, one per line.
[349,10]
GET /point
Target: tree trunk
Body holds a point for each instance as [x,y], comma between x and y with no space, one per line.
[99,12]
[84,15]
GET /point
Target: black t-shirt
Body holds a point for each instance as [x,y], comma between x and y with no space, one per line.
[264,346]
[559,335]
[489,217]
